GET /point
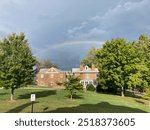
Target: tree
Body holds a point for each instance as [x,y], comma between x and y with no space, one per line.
[143,45]
[16,62]
[90,58]
[120,66]
[45,63]
[72,85]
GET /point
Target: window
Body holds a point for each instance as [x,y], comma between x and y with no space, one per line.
[86,67]
[87,76]
[61,75]
[96,75]
[51,75]
[82,82]
[90,82]
[86,82]
[42,76]
[42,84]
[51,84]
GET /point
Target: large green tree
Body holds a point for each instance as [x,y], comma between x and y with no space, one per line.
[16,62]
[143,46]
[121,66]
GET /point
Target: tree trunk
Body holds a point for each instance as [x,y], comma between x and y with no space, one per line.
[12,94]
[71,96]
[122,92]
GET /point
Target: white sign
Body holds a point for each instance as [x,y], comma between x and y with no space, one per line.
[32,97]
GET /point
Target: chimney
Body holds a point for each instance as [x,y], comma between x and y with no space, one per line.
[81,66]
[93,67]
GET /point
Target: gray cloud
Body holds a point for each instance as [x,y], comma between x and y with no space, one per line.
[57,28]
[69,55]
[127,19]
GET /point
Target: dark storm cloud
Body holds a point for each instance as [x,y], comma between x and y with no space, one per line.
[50,24]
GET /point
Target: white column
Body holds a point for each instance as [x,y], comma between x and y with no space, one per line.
[84,84]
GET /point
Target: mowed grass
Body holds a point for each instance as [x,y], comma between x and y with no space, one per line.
[57,101]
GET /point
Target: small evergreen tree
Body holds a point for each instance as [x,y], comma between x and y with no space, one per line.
[72,85]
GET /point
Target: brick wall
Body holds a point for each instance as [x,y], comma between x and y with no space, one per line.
[92,76]
[50,79]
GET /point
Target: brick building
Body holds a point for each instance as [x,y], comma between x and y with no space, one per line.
[87,75]
[50,77]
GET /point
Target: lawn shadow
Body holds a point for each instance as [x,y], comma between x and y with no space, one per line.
[75,96]
[3,94]
[141,102]
[39,94]
[45,108]
[20,108]
[103,107]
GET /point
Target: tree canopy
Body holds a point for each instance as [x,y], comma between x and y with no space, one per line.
[46,63]
[123,65]
[90,58]
[143,46]
[16,62]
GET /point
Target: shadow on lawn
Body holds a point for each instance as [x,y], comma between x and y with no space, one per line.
[39,94]
[75,96]
[140,102]
[20,108]
[3,94]
[103,107]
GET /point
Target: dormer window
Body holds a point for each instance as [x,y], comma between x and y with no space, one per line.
[86,67]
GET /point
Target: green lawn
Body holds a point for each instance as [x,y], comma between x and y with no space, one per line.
[57,101]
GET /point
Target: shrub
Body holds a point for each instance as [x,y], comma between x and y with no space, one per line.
[90,87]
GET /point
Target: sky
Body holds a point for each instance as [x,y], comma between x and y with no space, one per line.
[65,30]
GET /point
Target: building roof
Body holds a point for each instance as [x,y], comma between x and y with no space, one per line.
[65,71]
[85,69]
[52,69]
[43,70]
[55,70]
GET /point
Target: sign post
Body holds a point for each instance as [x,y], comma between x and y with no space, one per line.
[32,98]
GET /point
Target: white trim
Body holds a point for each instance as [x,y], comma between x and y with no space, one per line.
[51,72]
[89,71]
[86,82]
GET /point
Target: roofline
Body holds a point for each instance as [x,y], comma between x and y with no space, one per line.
[85,71]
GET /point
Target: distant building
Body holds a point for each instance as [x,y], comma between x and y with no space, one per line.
[50,77]
[87,75]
